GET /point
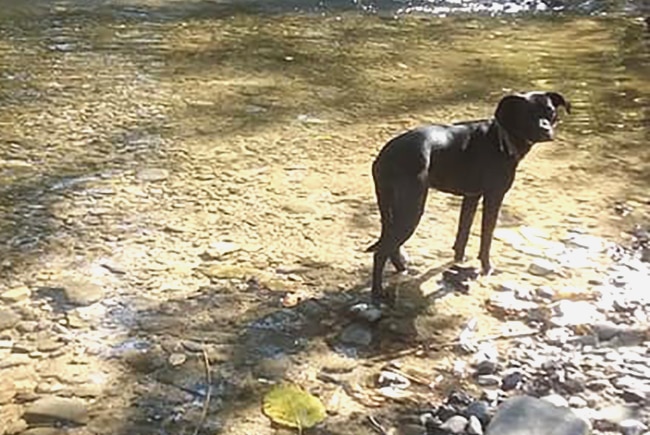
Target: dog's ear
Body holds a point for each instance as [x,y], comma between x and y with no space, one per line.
[558,100]
[509,111]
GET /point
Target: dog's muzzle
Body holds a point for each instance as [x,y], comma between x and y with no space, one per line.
[546,129]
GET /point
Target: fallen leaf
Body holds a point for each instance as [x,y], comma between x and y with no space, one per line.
[291,406]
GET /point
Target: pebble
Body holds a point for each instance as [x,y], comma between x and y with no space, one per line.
[542,267]
[479,409]
[488,380]
[632,427]
[8,318]
[152,174]
[81,292]
[455,424]
[486,367]
[52,410]
[16,295]
[474,426]
[577,402]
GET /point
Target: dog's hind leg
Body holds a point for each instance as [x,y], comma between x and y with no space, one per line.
[467,212]
[408,197]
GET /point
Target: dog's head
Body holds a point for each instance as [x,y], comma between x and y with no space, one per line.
[531,117]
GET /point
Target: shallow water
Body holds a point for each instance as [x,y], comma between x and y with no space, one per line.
[261,128]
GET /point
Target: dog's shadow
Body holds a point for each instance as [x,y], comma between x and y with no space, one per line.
[408,289]
[414,317]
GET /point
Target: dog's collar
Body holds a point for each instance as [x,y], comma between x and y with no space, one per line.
[505,141]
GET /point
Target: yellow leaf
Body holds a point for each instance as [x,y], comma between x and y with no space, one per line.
[289,405]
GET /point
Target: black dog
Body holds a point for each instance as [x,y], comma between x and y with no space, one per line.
[474,159]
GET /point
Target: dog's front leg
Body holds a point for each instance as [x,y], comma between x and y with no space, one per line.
[467,212]
[491,205]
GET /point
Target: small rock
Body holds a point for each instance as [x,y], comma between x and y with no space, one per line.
[545,292]
[15,295]
[455,424]
[577,402]
[8,318]
[474,426]
[486,367]
[367,312]
[480,410]
[356,334]
[632,394]
[556,400]
[542,267]
[51,410]
[525,415]
[488,380]
[598,384]
[27,326]
[176,359]
[152,174]
[511,380]
[631,427]
[81,292]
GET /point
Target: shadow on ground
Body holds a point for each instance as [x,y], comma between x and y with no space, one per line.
[251,341]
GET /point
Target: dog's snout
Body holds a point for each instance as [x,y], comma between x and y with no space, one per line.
[545,129]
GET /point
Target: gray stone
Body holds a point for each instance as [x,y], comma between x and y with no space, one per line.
[577,402]
[8,318]
[479,409]
[455,424]
[486,367]
[631,427]
[152,174]
[525,415]
[541,267]
[356,334]
[366,312]
[474,426]
[545,292]
[488,380]
[81,292]
[598,384]
[52,410]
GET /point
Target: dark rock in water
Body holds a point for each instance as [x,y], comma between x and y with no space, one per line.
[356,334]
[525,415]
[511,380]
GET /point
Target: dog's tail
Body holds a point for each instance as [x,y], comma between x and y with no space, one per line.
[373,247]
